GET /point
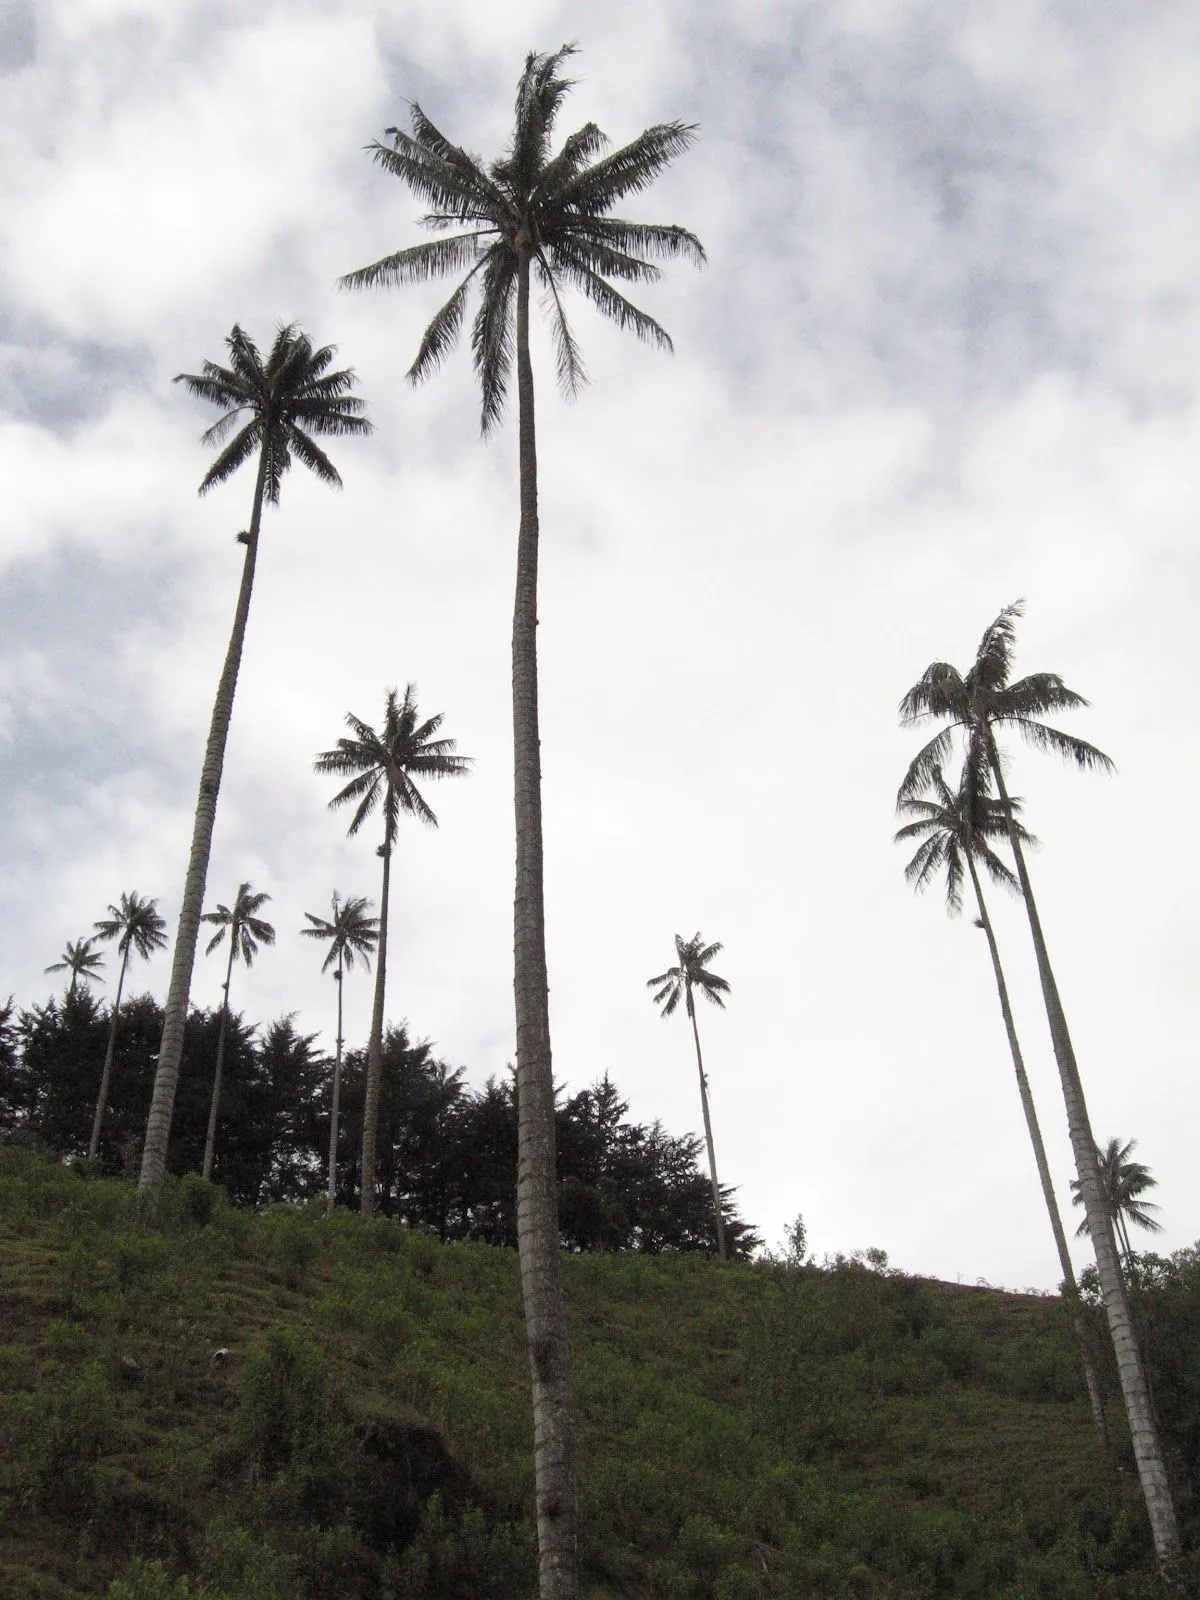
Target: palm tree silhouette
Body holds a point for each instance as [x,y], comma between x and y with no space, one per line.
[81,961]
[382,767]
[681,983]
[532,213]
[351,933]
[978,705]
[273,408]
[1125,1182]
[955,830]
[246,930]
[136,925]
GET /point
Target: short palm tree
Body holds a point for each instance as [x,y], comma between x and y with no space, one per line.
[136,925]
[681,982]
[81,961]
[955,830]
[272,408]
[978,705]
[533,213]
[246,930]
[1125,1182]
[350,933]
[383,765]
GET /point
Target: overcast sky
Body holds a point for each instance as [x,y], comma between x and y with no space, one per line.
[945,354]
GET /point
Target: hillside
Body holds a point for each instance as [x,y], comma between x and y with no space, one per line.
[279,1405]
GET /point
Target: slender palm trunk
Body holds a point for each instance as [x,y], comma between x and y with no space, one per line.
[374,1045]
[105,1076]
[211,1137]
[1147,1449]
[1043,1166]
[708,1138]
[166,1079]
[537,1198]
[337,1095]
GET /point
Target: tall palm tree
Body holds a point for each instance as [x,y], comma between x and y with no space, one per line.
[273,408]
[955,830]
[382,766]
[81,961]
[977,705]
[246,930]
[681,983]
[136,925]
[1125,1182]
[533,213]
[351,933]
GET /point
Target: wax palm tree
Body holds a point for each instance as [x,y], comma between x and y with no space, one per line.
[978,705]
[351,933]
[681,983]
[81,961]
[246,930]
[1125,1182]
[136,925]
[533,213]
[955,830]
[383,766]
[273,408]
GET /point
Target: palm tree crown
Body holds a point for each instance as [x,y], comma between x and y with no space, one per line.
[81,961]
[135,924]
[350,931]
[1124,1183]
[284,401]
[984,699]
[246,930]
[530,206]
[952,825]
[679,982]
[382,765]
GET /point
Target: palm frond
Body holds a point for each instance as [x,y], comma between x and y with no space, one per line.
[492,336]
[1052,741]
[993,659]
[441,335]
[629,170]
[613,305]
[313,457]
[433,258]
[567,359]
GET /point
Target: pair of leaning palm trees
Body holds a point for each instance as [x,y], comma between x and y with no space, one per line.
[534,214]
[956,829]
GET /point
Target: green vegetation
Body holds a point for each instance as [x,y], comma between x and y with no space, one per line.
[235,1406]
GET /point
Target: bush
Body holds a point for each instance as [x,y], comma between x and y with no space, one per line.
[57,1436]
[287,1403]
[149,1580]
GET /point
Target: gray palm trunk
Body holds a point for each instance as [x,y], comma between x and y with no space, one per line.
[1039,1155]
[166,1079]
[211,1137]
[537,1201]
[106,1075]
[374,1044]
[1147,1448]
[708,1138]
[337,1093]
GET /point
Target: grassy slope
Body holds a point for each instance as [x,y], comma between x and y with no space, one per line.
[743,1431]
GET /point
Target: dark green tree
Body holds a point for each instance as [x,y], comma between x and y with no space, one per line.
[980,706]
[246,930]
[532,214]
[681,983]
[136,925]
[351,933]
[383,765]
[272,409]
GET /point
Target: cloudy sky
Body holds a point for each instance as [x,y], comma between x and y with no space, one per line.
[945,354]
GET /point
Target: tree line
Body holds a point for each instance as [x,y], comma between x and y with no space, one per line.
[446,1152]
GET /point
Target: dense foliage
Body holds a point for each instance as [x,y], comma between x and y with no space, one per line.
[279,1406]
[447,1153]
